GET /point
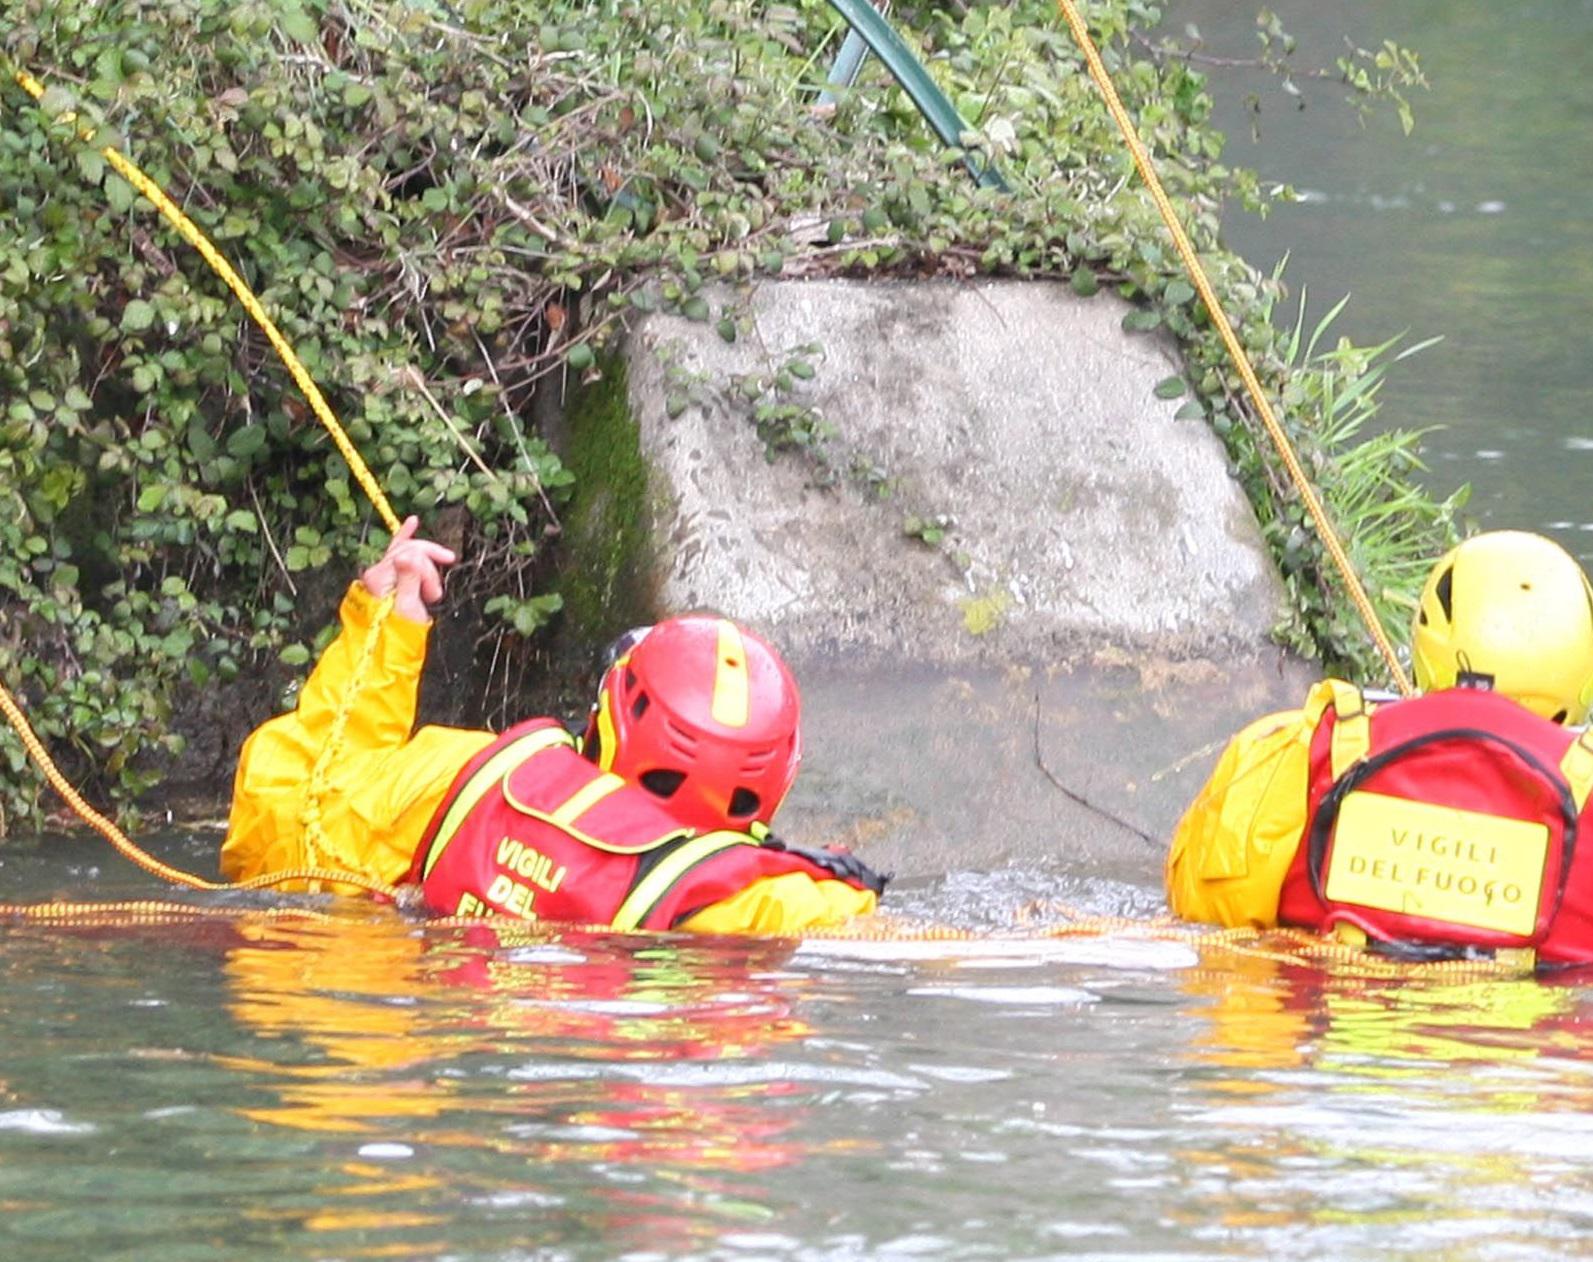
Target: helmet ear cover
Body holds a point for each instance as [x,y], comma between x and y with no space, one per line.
[1512,611]
[705,716]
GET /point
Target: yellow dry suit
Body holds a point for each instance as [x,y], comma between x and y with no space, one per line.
[383,785]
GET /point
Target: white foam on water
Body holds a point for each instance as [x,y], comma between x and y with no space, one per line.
[386,1151]
[543,955]
[42,1122]
[1027,995]
[1109,952]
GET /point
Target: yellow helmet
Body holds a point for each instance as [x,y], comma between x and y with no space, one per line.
[1511,611]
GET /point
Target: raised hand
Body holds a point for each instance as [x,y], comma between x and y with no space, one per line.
[412,569]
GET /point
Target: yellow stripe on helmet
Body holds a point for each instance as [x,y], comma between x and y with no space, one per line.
[607,739]
[730,703]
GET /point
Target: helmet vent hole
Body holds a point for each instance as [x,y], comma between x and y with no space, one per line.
[662,784]
[744,804]
[630,678]
[1560,716]
[1445,591]
[639,706]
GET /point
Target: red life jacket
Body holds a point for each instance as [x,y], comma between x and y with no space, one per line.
[1458,819]
[531,829]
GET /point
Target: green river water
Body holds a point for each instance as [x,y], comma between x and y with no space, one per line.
[290,1080]
[1478,227]
[293,1082]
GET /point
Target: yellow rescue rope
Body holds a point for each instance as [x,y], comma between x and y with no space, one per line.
[1293,948]
[1219,317]
[313,830]
[1239,940]
[190,232]
[128,850]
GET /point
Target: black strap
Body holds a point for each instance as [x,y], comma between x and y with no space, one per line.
[843,864]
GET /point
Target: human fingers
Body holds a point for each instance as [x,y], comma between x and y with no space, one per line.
[431,585]
[378,579]
[408,595]
[418,568]
[435,552]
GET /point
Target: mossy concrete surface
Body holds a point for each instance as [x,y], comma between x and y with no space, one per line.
[605,572]
[1011,579]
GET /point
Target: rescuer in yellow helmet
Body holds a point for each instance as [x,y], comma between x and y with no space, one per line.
[1446,822]
[659,819]
[1513,612]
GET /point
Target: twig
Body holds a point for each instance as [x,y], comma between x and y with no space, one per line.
[524,215]
[411,374]
[1079,798]
[1179,764]
[519,438]
[270,542]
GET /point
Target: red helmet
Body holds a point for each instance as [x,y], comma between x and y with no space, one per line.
[704,714]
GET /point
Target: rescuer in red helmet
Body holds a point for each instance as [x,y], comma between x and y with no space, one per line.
[658,818]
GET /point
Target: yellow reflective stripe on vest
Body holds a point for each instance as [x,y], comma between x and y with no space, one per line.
[1352,729]
[1577,767]
[485,780]
[670,869]
[585,799]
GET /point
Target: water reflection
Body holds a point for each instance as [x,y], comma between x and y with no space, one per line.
[304,1084]
[1448,1111]
[1271,1014]
[466,1029]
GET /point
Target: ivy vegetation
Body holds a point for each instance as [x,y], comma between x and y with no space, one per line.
[451,208]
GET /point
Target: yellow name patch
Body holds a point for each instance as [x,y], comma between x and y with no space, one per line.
[1461,867]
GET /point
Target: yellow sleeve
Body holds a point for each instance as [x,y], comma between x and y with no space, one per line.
[389,687]
[381,786]
[1232,849]
[784,906]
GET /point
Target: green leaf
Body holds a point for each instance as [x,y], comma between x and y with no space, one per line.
[91,164]
[295,655]
[137,316]
[246,441]
[296,24]
[57,101]
[119,194]
[580,357]
[1171,388]
[1084,282]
